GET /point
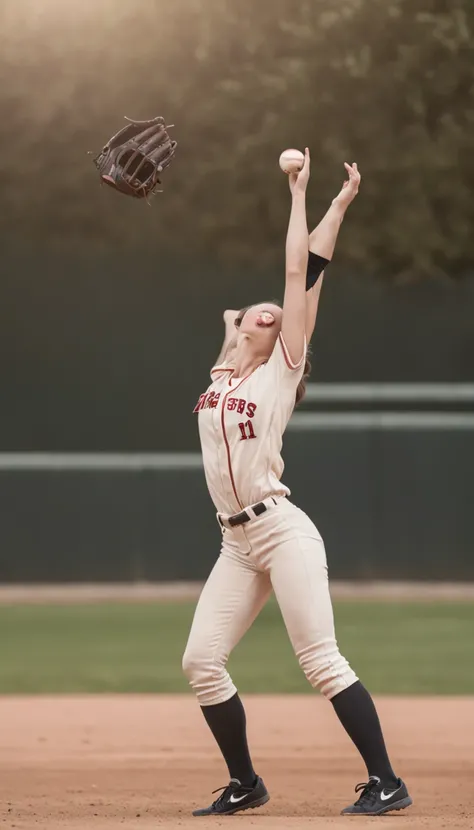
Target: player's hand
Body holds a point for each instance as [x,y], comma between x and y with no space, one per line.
[350,187]
[299,181]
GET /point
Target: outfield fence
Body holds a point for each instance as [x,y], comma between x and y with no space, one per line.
[390,490]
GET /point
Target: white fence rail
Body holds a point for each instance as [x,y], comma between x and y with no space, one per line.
[390,421]
[100,461]
[393,392]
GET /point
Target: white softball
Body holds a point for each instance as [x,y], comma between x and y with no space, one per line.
[291,161]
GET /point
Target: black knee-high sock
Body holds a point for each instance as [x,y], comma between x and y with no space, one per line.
[358,715]
[228,724]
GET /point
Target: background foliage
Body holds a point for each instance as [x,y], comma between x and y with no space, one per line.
[389,83]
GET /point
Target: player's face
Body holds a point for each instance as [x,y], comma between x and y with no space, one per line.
[262,322]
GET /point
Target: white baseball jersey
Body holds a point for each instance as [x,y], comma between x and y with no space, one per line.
[241,426]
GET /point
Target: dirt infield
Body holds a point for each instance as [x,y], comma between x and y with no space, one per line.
[142,762]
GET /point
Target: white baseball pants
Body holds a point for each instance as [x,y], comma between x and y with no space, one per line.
[280,550]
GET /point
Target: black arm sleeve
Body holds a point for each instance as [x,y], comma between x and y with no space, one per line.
[316,265]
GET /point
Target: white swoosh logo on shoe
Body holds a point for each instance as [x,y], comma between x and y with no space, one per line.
[234,799]
[385,796]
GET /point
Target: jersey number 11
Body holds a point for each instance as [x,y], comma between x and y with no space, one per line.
[246,431]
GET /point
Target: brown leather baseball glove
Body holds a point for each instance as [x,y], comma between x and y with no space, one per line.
[132,160]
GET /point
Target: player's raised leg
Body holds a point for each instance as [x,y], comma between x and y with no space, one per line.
[300,582]
[233,596]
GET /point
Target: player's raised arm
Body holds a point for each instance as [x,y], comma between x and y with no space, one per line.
[312,303]
[297,242]
[322,242]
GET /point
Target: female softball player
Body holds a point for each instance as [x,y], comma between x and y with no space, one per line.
[267,542]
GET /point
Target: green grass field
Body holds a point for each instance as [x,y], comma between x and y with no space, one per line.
[406,648]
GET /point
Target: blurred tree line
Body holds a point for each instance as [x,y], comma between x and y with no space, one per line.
[387,83]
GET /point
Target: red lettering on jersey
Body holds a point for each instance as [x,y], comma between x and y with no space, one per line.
[251,407]
[239,404]
[208,403]
[215,400]
[201,402]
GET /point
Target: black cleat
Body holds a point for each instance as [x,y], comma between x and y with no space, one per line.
[375,799]
[235,798]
